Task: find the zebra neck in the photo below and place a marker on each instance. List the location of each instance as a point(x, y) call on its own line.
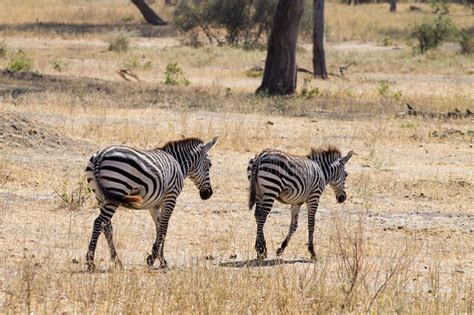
point(326, 170)
point(186, 160)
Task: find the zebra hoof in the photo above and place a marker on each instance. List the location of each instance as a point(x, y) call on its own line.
point(150, 261)
point(262, 256)
point(118, 264)
point(163, 264)
point(313, 257)
point(91, 266)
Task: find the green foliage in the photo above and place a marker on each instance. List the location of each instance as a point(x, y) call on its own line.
point(19, 62)
point(439, 6)
point(128, 18)
point(431, 34)
point(120, 41)
point(384, 90)
point(134, 63)
point(386, 41)
point(466, 41)
point(174, 75)
point(254, 72)
point(3, 48)
point(307, 90)
point(244, 22)
point(74, 198)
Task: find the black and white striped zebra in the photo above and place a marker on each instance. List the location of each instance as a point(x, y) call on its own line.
point(275, 175)
point(145, 179)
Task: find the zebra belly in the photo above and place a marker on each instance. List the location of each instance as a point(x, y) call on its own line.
point(289, 197)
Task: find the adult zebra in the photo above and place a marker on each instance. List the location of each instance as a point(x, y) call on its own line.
point(139, 179)
point(293, 180)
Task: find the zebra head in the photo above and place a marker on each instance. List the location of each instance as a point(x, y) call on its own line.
point(338, 178)
point(199, 173)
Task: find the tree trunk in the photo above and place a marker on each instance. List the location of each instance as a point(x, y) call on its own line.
point(393, 5)
point(279, 77)
point(319, 55)
point(148, 13)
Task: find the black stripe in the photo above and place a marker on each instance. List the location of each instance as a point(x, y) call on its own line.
point(126, 174)
point(116, 180)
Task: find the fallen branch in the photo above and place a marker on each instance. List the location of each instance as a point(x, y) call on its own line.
point(456, 114)
point(125, 73)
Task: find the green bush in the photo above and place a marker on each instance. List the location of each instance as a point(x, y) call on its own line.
point(120, 41)
point(431, 34)
point(466, 41)
point(19, 62)
point(174, 75)
point(243, 22)
point(59, 65)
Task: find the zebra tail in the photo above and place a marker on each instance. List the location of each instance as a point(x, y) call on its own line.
point(253, 183)
point(133, 200)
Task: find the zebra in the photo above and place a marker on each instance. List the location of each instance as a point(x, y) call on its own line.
point(145, 179)
point(290, 179)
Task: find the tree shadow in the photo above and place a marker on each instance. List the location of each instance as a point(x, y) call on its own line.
point(254, 263)
point(145, 30)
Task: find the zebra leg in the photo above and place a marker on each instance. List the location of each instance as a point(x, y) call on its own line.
point(109, 231)
point(264, 205)
point(155, 215)
point(295, 210)
point(312, 208)
point(157, 250)
point(107, 210)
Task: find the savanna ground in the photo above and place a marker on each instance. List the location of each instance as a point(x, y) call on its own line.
point(402, 242)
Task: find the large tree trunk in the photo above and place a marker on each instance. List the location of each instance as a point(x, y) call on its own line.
point(279, 77)
point(393, 5)
point(319, 55)
point(148, 13)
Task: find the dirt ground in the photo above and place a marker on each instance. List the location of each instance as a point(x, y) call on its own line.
point(410, 186)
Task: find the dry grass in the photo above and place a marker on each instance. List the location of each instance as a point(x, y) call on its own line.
point(403, 242)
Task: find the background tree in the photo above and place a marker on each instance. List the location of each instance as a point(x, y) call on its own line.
point(319, 55)
point(148, 13)
point(393, 5)
point(279, 76)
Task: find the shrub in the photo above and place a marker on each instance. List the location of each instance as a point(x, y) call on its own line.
point(3, 48)
point(120, 41)
point(466, 41)
point(243, 22)
point(439, 6)
point(59, 65)
point(431, 34)
point(174, 75)
point(74, 198)
point(19, 62)
point(307, 90)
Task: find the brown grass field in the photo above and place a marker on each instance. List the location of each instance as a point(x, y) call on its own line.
point(403, 242)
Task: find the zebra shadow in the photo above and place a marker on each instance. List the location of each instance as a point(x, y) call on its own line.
point(254, 263)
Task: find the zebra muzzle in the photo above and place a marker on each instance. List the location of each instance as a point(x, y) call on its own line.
point(341, 198)
point(206, 194)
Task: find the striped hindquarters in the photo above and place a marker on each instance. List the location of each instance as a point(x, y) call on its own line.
point(132, 178)
point(285, 177)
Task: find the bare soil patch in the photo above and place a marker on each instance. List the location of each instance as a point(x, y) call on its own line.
point(20, 130)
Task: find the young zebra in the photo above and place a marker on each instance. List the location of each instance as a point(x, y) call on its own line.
point(293, 180)
point(139, 179)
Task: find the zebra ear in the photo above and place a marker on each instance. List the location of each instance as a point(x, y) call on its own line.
point(209, 145)
point(346, 159)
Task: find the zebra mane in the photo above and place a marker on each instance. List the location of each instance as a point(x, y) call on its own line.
point(186, 142)
point(327, 153)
